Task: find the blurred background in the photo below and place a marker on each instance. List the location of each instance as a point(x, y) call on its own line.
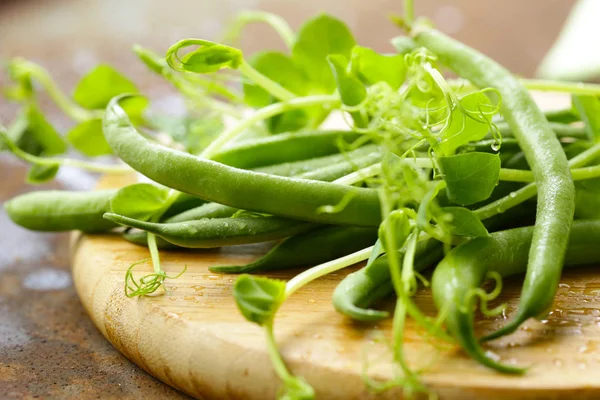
point(69, 37)
point(48, 346)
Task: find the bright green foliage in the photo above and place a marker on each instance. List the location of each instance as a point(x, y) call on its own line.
point(351, 89)
point(278, 67)
point(100, 85)
point(87, 137)
point(258, 298)
point(470, 121)
point(316, 39)
point(470, 177)
point(139, 201)
point(373, 67)
point(41, 173)
point(208, 57)
point(401, 226)
point(459, 221)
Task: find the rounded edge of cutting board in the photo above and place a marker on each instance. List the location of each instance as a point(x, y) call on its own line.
point(203, 347)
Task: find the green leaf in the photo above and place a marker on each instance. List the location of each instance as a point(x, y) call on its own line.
point(101, 84)
point(469, 122)
point(194, 132)
point(139, 201)
point(258, 298)
point(32, 133)
point(588, 108)
point(207, 58)
point(41, 173)
point(23, 89)
point(279, 68)
point(399, 222)
point(351, 89)
point(87, 137)
point(373, 67)
point(316, 39)
point(459, 221)
point(470, 177)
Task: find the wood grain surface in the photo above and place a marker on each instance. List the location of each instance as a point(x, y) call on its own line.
point(193, 338)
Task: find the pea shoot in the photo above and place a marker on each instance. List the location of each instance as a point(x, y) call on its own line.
point(421, 171)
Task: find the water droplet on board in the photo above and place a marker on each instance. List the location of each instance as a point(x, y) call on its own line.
point(198, 287)
point(189, 298)
point(214, 277)
point(564, 285)
point(312, 301)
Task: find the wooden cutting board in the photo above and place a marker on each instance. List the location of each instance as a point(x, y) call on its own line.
point(192, 336)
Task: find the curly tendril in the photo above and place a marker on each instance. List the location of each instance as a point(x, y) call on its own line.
point(485, 297)
point(147, 284)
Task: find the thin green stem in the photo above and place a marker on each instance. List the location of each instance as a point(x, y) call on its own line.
point(279, 24)
point(73, 110)
point(275, 356)
point(409, 12)
point(542, 85)
point(326, 268)
point(267, 112)
point(154, 256)
point(274, 88)
point(515, 175)
point(360, 175)
point(562, 86)
point(67, 162)
point(527, 192)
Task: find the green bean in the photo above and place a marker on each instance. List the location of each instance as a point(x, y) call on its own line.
point(364, 287)
point(564, 116)
point(217, 232)
point(54, 210)
point(183, 203)
point(457, 278)
point(303, 166)
point(285, 147)
point(141, 239)
point(212, 181)
point(215, 210)
point(561, 130)
point(208, 210)
point(556, 193)
point(309, 248)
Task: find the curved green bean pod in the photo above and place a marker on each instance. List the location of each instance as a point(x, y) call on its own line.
point(217, 232)
point(556, 192)
point(61, 210)
point(360, 289)
point(212, 181)
point(464, 269)
point(141, 239)
point(284, 147)
point(309, 248)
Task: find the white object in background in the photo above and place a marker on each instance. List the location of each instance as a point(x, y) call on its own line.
point(575, 55)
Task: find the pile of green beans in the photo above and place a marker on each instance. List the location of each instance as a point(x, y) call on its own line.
point(460, 181)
